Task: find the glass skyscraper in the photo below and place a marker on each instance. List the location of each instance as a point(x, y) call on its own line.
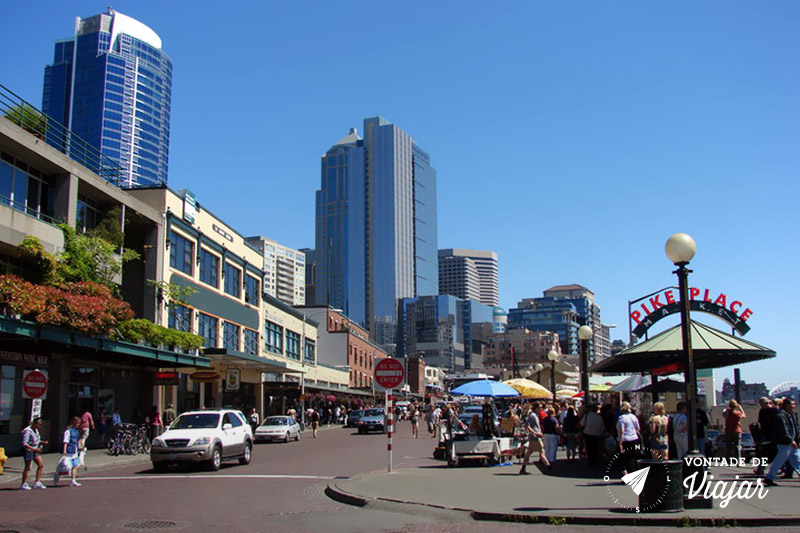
point(112, 85)
point(376, 231)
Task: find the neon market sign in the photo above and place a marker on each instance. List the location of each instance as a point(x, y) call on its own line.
point(651, 309)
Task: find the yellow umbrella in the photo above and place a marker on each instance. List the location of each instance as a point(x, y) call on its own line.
point(529, 388)
point(566, 393)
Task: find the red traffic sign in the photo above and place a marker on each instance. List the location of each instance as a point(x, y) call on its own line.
point(34, 384)
point(389, 373)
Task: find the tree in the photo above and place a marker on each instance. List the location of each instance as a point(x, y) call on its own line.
point(29, 118)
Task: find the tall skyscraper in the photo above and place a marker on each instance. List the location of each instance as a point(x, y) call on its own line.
point(461, 270)
point(111, 84)
point(376, 231)
point(284, 271)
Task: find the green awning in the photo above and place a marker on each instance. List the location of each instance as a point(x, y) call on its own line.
point(711, 349)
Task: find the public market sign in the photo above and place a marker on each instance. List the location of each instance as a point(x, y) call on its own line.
point(667, 302)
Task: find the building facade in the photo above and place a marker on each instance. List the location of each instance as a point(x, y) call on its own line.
point(458, 268)
point(376, 228)
point(111, 84)
point(284, 271)
point(520, 347)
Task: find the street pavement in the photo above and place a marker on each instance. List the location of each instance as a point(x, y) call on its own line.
point(301, 486)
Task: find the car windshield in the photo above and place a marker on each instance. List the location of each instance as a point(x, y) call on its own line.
point(356, 413)
point(747, 437)
point(373, 412)
point(278, 421)
point(195, 421)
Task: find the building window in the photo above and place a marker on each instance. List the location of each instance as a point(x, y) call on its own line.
point(207, 328)
point(250, 341)
point(273, 337)
point(308, 353)
point(293, 345)
point(180, 317)
point(251, 290)
point(209, 268)
point(181, 253)
point(231, 336)
point(233, 281)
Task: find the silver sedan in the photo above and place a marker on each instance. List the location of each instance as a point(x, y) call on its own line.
point(282, 428)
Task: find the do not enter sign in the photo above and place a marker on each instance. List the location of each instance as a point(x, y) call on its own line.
point(389, 373)
point(34, 384)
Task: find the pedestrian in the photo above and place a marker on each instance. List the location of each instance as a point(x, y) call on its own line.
point(102, 426)
point(155, 422)
point(570, 428)
point(680, 431)
point(552, 431)
point(763, 432)
point(170, 414)
point(32, 446)
point(787, 438)
point(627, 436)
point(509, 423)
point(415, 414)
point(87, 424)
point(116, 419)
point(253, 419)
point(733, 429)
point(593, 432)
point(535, 444)
point(659, 445)
point(314, 419)
point(702, 424)
point(72, 445)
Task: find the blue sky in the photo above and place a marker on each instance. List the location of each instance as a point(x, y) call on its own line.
point(572, 138)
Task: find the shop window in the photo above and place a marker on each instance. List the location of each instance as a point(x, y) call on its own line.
point(251, 341)
point(273, 337)
point(181, 253)
point(207, 328)
point(209, 268)
point(293, 345)
point(180, 318)
point(231, 339)
point(233, 280)
point(251, 290)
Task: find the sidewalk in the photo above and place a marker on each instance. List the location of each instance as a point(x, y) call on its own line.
point(569, 494)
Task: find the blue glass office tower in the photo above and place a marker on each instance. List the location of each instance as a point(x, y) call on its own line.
point(112, 85)
point(376, 231)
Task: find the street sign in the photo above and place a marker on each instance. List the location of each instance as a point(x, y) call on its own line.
point(36, 408)
point(34, 384)
point(389, 373)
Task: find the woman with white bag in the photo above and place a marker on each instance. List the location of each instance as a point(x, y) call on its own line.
point(70, 459)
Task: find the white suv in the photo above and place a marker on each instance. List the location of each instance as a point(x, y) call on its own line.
point(209, 436)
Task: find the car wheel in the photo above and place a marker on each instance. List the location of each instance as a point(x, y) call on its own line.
point(160, 467)
point(216, 459)
point(360, 431)
point(247, 455)
point(297, 437)
point(286, 437)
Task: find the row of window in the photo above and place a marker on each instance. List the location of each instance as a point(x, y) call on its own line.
point(182, 258)
point(276, 337)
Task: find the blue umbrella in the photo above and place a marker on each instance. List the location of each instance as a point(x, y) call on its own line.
point(485, 387)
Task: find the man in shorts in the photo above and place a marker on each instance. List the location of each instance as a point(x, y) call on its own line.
point(32, 446)
point(534, 429)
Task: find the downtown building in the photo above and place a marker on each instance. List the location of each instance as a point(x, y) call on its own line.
point(376, 229)
point(469, 274)
point(111, 84)
point(284, 271)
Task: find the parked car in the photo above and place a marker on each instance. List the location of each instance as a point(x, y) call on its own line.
point(748, 446)
point(209, 437)
point(466, 416)
point(372, 420)
point(353, 418)
point(278, 428)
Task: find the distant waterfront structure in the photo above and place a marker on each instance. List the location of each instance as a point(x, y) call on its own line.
point(111, 84)
point(284, 271)
point(500, 319)
point(469, 274)
point(749, 392)
point(376, 228)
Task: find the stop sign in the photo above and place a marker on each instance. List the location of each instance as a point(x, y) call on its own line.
point(389, 373)
point(34, 384)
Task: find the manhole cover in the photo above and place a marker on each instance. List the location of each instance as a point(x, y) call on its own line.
point(149, 524)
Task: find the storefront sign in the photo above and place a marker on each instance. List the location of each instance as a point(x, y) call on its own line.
point(667, 302)
point(189, 207)
point(232, 378)
point(205, 376)
point(34, 384)
point(166, 378)
point(26, 359)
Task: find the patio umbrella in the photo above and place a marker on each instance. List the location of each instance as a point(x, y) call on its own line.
point(665, 385)
point(565, 393)
point(631, 383)
point(529, 388)
point(486, 388)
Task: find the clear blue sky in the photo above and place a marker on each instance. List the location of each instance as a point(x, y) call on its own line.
point(572, 138)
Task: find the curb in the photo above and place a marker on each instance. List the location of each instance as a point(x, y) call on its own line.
point(15, 474)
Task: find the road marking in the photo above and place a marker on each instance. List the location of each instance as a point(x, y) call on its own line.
point(208, 476)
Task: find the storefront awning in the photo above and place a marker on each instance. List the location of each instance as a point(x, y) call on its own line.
point(13, 331)
point(229, 357)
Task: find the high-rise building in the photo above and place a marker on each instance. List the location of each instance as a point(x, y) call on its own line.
point(376, 231)
point(111, 84)
point(461, 270)
point(284, 271)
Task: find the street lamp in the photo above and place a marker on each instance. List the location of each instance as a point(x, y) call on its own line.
point(552, 356)
point(538, 369)
point(680, 249)
point(584, 334)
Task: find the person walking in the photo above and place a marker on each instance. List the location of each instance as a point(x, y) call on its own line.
point(87, 424)
point(787, 438)
point(533, 427)
point(314, 420)
point(72, 444)
point(570, 428)
point(170, 414)
point(733, 430)
point(765, 434)
point(659, 445)
point(253, 419)
point(102, 426)
point(627, 436)
point(414, 416)
point(551, 428)
point(680, 431)
point(32, 446)
point(593, 431)
point(155, 422)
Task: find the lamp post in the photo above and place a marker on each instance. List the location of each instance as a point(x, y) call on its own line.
point(303, 361)
point(584, 334)
point(680, 249)
point(538, 369)
point(552, 356)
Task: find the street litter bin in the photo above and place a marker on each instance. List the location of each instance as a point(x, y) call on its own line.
point(663, 489)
